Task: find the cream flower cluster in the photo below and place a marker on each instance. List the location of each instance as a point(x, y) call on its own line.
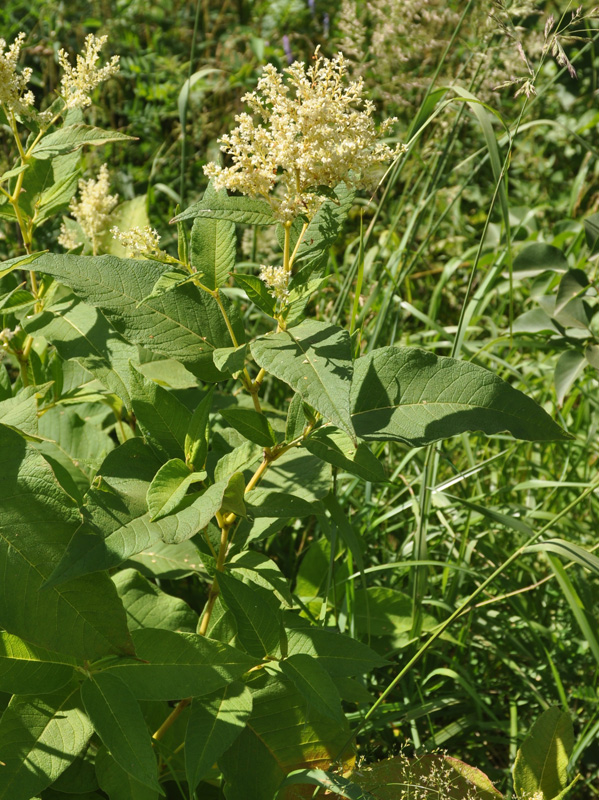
point(314, 130)
point(79, 81)
point(92, 210)
point(277, 280)
point(14, 95)
point(138, 241)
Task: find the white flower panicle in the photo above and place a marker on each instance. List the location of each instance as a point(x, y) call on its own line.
point(314, 130)
point(138, 241)
point(79, 81)
point(277, 280)
point(92, 210)
point(14, 95)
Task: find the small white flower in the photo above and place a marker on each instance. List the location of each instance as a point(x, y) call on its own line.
point(78, 82)
point(6, 334)
point(14, 95)
point(138, 241)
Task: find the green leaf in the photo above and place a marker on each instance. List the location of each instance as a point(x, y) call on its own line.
point(313, 681)
point(212, 250)
point(81, 618)
point(251, 425)
point(39, 738)
point(334, 784)
point(26, 669)
point(175, 665)
point(120, 724)
point(296, 419)
point(314, 358)
point(73, 137)
point(568, 551)
point(168, 561)
point(409, 395)
point(218, 205)
point(147, 606)
point(166, 283)
point(196, 436)
point(185, 324)
point(535, 321)
point(339, 655)
point(161, 414)
point(256, 613)
point(117, 783)
point(213, 725)
point(17, 263)
point(117, 522)
point(234, 495)
point(283, 734)
point(542, 760)
point(570, 366)
point(260, 569)
point(257, 292)
point(169, 487)
point(80, 332)
point(591, 229)
point(230, 359)
point(336, 448)
point(20, 412)
point(538, 257)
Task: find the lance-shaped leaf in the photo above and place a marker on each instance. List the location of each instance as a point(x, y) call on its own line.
point(251, 425)
point(26, 669)
point(169, 486)
point(118, 784)
point(74, 137)
point(542, 760)
point(81, 618)
point(218, 205)
point(568, 551)
point(314, 358)
point(339, 655)
point(39, 738)
point(82, 333)
point(168, 561)
point(283, 734)
point(17, 263)
point(409, 395)
point(119, 722)
point(313, 681)
point(212, 250)
point(185, 324)
point(175, 665)
point(117, 523)
point(147, 606)
point(213, 725)
point(257, 292)
point(336, 448)
point(196, 436)
point(256, 613)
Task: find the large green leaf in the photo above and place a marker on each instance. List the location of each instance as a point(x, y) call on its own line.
point(408, 395)
point(169, 487)
point(313, 681)
point(147, 606)
point(281, 735)
point(118, 784)
point(185, 324)
point(39, 738)
point(542, 761)
point(162, 416)
point(315, 359)
point(73, 137)
point(256, 613)
point(218, 205)
point(213, 725)
point(81, 332)
point(175, 665)
point(118, 720)
point(117, 523)
point(81, 618)
point(26, 669)
point(340, 655)
point(20, 412)
point(336, 448)
point(212, 250)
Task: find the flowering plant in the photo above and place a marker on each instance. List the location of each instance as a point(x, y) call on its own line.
point(185, 467)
